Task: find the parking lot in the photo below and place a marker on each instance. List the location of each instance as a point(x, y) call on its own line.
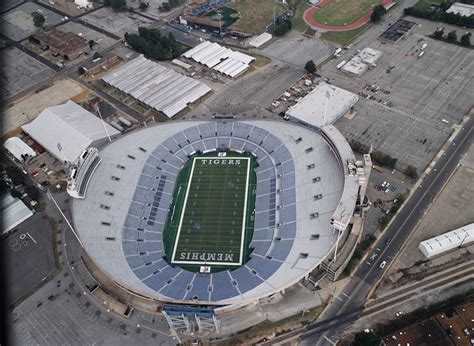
point(455, 200)
point(426, 96)
point(117, 23)
point(296, 49)
point(17, 23)
point(29, 253)
point(23, 71)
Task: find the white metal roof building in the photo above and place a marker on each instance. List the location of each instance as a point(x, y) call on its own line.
point(447, 241)
point(370, 56)
point(219, 58)
point(156, 86)
point(361, 61)
point(461, 9)
point(18, 148)
point(66, 130)
point(13, 212)
point(260, 40)
point(355, 67)
point(324, 105)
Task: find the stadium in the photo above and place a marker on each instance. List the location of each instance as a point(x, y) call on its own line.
point(217, 213)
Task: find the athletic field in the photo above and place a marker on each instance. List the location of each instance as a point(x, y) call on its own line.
point(343, 12)
point(211, 215)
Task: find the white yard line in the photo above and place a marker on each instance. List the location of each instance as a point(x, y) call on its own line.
point(182, 211)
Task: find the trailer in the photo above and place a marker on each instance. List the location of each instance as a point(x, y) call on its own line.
point(115, 125)
point(424, 46)
point(124, 121)
point(342, 63)
point(421, 54)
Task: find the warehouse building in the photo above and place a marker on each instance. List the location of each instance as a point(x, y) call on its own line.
point(100, 64)
point(66, 130)
point(447, 241)
point(67, 44)
point(19, 149)
point(156, 86)
point(220, 59)
point(324, 105)
point(362, 61)
point(13, 212)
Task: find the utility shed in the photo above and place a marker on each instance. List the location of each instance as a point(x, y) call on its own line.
point(260, 40)
point(324, 105)
point(66, 130)
point(447, 241)
point(13, 212)
point(19, 149)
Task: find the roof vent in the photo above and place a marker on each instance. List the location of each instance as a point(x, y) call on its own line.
point(303, 255)
point(131, 157)
point(108, 193)
point(115, 178)
point(314, 236)
point(311, 166)
point(316, 180)
point(109, 238)
point(297, 140)
point(105, 223)
point(308, 150)
point(314, 215)
point(120, 167)
point(317, 197)
point(142, 149)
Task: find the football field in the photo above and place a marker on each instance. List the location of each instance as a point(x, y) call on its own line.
point(210, 223)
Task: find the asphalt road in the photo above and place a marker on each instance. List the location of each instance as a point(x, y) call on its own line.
point(347, 306)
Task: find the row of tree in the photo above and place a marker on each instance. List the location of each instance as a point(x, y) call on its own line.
point(166, 6)
point(450, 18)
point(452, 37)
point(153, 44)
point(116, 4)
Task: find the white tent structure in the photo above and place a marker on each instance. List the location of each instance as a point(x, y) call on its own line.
point(156, 86)
point(447, 241)
point(221, 59)
point(324, 105)
point(13, 212)
point(66, 130)
point(18, 148)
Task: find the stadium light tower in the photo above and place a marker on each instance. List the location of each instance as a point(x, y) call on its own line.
point(96, 107)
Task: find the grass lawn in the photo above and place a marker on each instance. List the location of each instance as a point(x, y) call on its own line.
point(344, 37)
point(423, 5)
point(298, 22)
point(255, 15)
point(344, 12)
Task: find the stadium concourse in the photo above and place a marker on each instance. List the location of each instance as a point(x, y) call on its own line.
point(185, 188)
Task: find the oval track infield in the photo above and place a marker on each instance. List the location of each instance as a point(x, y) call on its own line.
point(310, 20)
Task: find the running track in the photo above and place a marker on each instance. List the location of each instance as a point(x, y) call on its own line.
point(308, 18)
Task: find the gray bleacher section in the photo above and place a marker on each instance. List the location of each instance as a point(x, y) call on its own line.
point(143, 228)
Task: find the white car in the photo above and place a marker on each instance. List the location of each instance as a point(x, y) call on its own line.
point(383, 264)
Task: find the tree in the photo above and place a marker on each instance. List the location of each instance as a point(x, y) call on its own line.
point(38, 20)
point(439, 33)
point(32, 192)
point(15, 174)
point(367, 339)
point(143, 6)
point(452, 36)
point(411, 172)
point(281, 29)
point(15, 193)
point(116, 4)
point(466, 39)
point(310, 67)
point(377, 13)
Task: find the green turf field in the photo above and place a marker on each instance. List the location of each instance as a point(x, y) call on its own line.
point(344, 12)
point(210, 221)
